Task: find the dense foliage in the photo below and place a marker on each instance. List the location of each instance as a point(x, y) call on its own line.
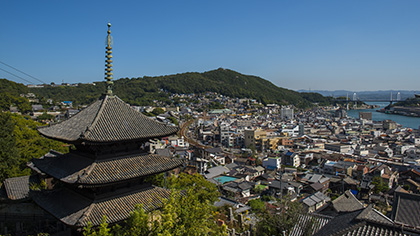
point(257, 205)
point(143, 91)
point(8, 150)
point(277, 223)
point(19, 143)
point(203, 189)
point(12, 88)
point(188, 211)
point(10, 96)
point(318, 98)
point(380, 185)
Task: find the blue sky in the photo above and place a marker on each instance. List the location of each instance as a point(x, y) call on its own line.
point(301, 44)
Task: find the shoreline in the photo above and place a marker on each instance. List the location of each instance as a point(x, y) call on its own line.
point(398, 113)
point(403, 111)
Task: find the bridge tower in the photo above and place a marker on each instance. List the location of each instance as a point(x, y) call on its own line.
point(347, 106)
point(390, 100)
point(355, 100)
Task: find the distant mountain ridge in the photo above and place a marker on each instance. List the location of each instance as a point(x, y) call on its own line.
point(367, 95)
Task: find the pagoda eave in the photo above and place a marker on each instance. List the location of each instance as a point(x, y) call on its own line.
point(76, 210)
point(77, 169)
point(108, 120)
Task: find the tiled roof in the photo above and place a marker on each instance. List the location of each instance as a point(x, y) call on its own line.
point(363, 222)
point(317, 186)
point(309, 201)
point(244, 186)
point(17, 188)
point(75, 210)
point(276, 184)
point(339, 223)
point(372, 215)
point(164, 152)
point(317, 221)
point(107, 120)
point(315, 199)
point(374, 230)
point(73, 168)
point(347, 202)
point(406, 209)
point(350, 225)
point(322, 196)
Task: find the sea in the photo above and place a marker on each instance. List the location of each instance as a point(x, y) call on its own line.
point(405, 121)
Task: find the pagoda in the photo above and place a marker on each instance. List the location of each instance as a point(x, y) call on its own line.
point(105, 174)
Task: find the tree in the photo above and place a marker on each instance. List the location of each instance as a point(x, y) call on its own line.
point(173, 120)
point(7, 100)
point(138, 223)
point(45, 116)
point(20, 142)
point(158, 111)
point(271, 223)
point(203, 189)
point(216, 105)
point(8, 151)
point(257, 205)
point(380, 185)
point(102, 230)
point(23, 105)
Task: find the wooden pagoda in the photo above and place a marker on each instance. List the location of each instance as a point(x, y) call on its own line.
point(105, 174)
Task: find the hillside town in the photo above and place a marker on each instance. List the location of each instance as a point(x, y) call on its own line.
point(337, 167)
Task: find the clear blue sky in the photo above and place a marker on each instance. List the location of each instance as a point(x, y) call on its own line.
point(298, 44)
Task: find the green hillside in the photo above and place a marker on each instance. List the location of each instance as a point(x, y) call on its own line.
point(230, 83)
point(409, 102)
point(10, 96)
point(144, 90)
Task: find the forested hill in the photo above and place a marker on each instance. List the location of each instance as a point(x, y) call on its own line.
point(142, 91)
point(12, 88)
point(10, 95)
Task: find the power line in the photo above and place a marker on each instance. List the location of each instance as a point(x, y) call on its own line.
point(16, 76)
point(23, 72)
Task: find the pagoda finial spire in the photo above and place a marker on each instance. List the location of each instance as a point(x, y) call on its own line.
point(108, 64)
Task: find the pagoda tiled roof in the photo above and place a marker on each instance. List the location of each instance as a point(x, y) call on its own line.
point(76, 210)
point(77, 169)
point(107, 120)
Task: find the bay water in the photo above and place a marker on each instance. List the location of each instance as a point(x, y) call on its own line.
point(405, 121)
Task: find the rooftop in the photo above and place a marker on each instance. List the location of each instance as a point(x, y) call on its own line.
point(105, 121)
point(75, 210)
point(74, 168)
